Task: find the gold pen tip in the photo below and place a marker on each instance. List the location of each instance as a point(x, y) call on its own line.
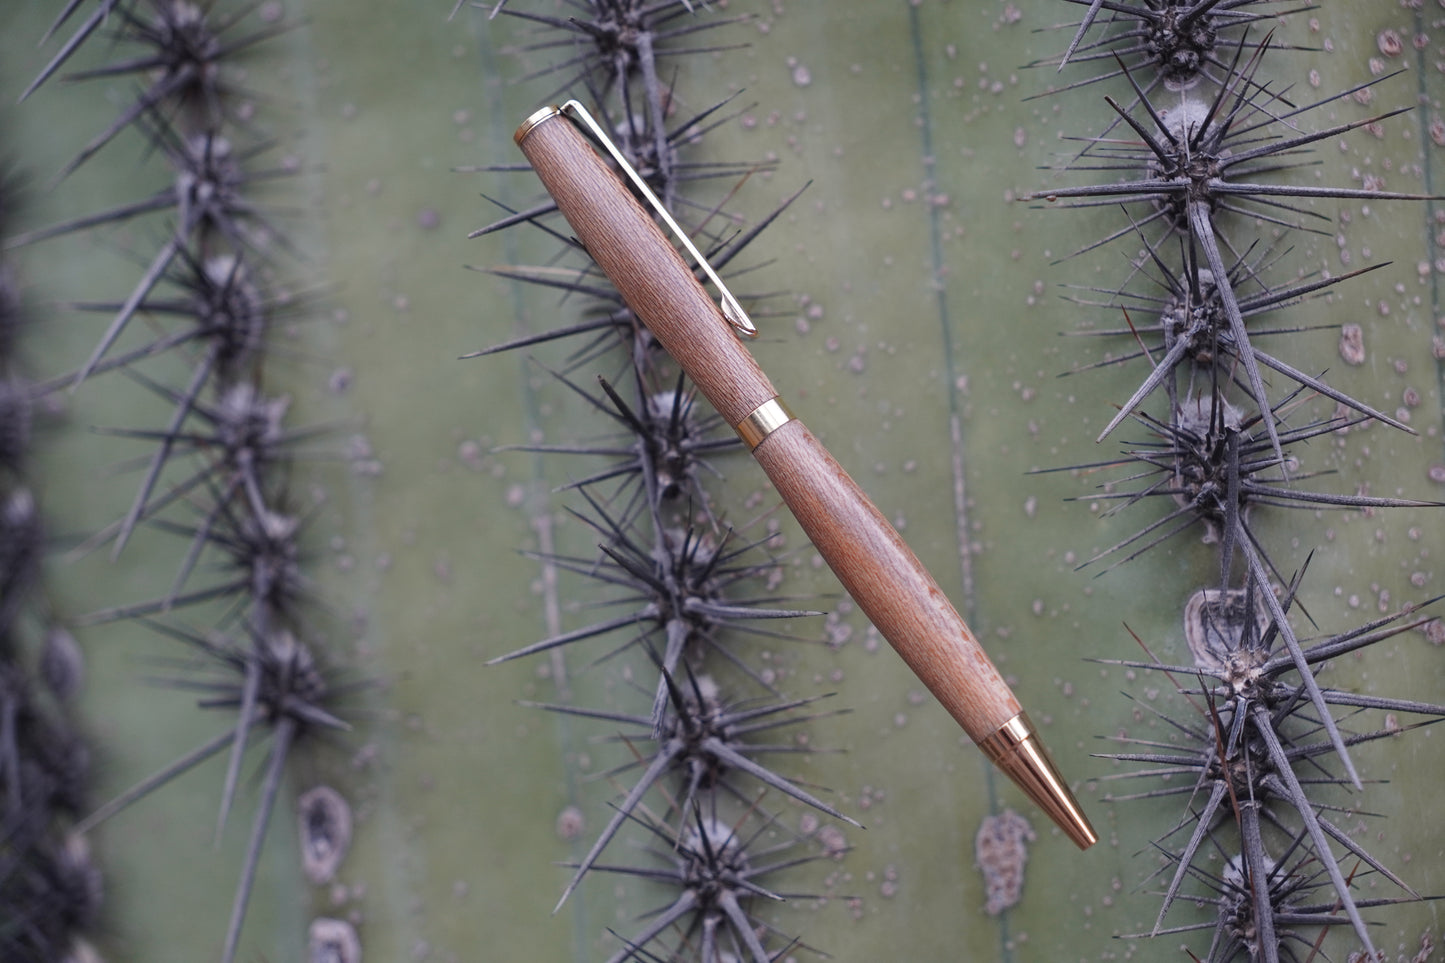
point(1016, 749)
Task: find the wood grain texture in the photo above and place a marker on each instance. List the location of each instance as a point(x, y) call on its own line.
point(646, 269)
point(887, 580)
point(869, 557)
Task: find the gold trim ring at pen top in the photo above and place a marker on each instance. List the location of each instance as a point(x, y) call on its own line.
point(536, 117)
point(732, 309)
point(875, 566)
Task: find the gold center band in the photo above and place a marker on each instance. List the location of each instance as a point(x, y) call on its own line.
point(762, 421)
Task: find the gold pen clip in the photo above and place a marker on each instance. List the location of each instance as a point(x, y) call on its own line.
point(731, 309)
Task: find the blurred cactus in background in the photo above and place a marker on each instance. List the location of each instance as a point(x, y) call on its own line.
point(305, 526)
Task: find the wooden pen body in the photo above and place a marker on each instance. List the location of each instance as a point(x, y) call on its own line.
point(869, 557)
point(646, 269)
point(887, 580)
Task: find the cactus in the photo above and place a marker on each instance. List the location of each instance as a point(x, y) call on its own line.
point(921, 334)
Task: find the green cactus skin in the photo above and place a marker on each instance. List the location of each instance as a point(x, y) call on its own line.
point(926, 273)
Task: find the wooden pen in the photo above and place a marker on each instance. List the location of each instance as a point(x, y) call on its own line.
point(869, 557)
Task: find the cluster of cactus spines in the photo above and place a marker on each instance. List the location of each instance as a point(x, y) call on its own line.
point(1171, 43)
point(1216, 468)
point(664, 436)
point(680, 586)
point(212, 288)
point(1197, 166)
point(716, 869)
point(1192, 312)
point(676, 574)
point(50, 889)
point(1211, 137)
point(1253, 737)
point(616, 47)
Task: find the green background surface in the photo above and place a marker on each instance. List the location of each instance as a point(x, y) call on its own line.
point(919, 336)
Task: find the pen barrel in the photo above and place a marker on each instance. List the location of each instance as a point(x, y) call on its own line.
point(867, 554)
point(869, 557)
point(887, 580)
point(645, 268)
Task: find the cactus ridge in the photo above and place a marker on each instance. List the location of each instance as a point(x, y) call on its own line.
point(216, 286)
point(666, 557)
point(1211, 160)
point(51, 892)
